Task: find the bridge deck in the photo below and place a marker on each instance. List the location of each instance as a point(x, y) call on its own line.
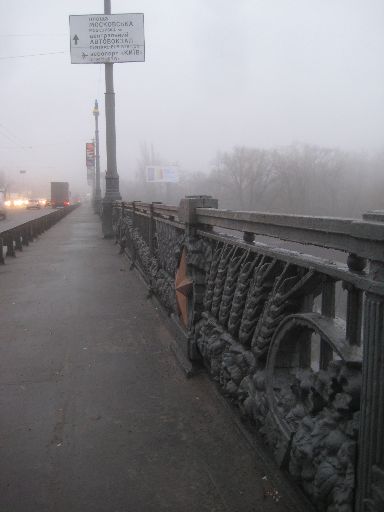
point(96, 415)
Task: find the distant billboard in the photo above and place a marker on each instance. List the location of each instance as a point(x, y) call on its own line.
point(90, 154)
point(162, 174)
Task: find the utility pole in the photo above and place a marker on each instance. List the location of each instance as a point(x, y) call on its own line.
point(112, 192)
point(97, 196)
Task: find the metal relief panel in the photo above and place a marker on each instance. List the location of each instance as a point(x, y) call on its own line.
point(169, 241)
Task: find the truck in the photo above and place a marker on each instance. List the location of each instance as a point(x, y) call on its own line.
point(59, 194)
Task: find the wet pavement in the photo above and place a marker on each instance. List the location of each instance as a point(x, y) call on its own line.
point(96, 414)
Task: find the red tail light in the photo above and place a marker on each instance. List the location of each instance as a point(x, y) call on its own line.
point(66, 203)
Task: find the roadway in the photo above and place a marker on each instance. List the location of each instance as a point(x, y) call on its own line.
point(97, 416)
point(18, 216)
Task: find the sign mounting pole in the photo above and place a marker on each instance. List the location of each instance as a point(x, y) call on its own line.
point(107, 39)
point(112, 192)
point(97, 204)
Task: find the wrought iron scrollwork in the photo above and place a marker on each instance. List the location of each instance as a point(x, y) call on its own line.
point(312, 420)
point(264, 276)
point(289, 288)
point(376, 502)
point(212, 273)
point(159, 267)
point(229, 289)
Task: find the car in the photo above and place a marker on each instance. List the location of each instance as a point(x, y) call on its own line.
point(33, 203)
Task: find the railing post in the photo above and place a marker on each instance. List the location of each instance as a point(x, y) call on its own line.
point(25, 237)
point(18, 242)
point(122, 213)
point(371, 435)
point(2, 261)
point(190, 280)
point(10, 247)
point(151, 230)
point(187, 210)
point(133, 214)
point(152, 227)
point(328, 307)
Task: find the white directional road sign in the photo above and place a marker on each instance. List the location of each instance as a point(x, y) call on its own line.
point(101, 38)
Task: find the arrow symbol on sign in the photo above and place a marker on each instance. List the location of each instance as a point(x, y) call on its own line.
point(75, 39)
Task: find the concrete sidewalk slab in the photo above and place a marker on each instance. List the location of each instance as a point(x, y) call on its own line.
point(96, 414)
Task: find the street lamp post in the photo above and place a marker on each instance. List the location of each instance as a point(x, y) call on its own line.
point(97, 196)
point(112, 192)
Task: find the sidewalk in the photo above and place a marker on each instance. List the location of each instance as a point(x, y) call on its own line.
point(96, 415)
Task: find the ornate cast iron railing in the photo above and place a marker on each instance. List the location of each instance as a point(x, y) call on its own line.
point(263, 319)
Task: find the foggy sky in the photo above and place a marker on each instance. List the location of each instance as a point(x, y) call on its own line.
point(218, 73)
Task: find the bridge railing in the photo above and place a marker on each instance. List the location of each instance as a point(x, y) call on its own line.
point(13, 239)
point(295, 340)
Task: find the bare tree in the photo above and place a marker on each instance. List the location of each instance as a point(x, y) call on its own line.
point(243, 176)
point(138, 188)
point(300, 178)
point(308, 179)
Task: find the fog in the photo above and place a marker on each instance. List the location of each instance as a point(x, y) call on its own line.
point(298, 82)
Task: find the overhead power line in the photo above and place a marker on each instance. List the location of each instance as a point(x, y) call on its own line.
point(30, 55)
point(33, 35)
point(11, 134)
point(6, 133)
point(17, 145)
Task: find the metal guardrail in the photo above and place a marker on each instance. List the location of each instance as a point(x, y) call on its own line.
point(154, 209)
point(15, 238)
point(363, 238)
